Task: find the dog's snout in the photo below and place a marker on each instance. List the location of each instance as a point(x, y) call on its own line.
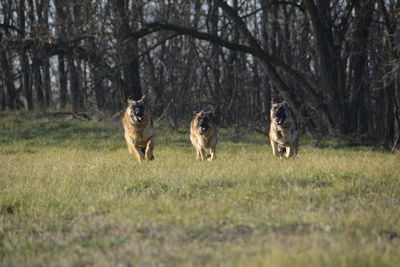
point(203, 124)
point(139, 111)
point(279, 112)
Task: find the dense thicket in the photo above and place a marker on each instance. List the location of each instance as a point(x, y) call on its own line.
point(335, 61)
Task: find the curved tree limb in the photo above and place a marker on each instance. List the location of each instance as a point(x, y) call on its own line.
point(269, 62)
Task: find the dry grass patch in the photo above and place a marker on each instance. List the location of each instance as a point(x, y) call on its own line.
point(70, 194)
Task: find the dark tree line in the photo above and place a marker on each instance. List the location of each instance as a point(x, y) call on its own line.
point(337, 62)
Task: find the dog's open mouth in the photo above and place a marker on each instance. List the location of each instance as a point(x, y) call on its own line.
point(137, 118)
point(278, 120)
point(202, 129)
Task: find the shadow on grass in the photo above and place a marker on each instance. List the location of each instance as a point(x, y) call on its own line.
point(43, 129)
point(319, 180)
point(39, 133)
point(199, 189)
point(225, 231)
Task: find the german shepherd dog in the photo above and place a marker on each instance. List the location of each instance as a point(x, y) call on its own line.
point(283, 133)
point(139, 131)
point(203, 134)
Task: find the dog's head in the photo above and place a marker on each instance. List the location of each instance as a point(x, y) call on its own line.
point(137, 109)
point(203, 121)
point(279, 112)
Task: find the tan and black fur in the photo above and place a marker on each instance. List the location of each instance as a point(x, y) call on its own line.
point(284, 132)
point(203, 135)
point(139, 131)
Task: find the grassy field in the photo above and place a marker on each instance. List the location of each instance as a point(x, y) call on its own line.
point(70, 194)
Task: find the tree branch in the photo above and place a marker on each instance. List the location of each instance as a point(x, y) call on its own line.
point(269, 61)
point(11, 27)
point(272, 4)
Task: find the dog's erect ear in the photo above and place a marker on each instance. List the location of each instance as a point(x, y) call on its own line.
point(205, 111)
point(142, 99)
point(130, 100)
point(208, 113)
point(274, 100)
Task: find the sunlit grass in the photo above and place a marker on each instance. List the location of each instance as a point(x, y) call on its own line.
point(70, 194)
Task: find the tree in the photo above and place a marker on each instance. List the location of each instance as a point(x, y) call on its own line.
point(336, 62)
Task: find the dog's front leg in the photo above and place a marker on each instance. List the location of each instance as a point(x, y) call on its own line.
point(198, 154)
point(202, 153)
point(275, 149)
point(138, 153)
point(135, 151)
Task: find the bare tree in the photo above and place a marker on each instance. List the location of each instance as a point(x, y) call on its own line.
point(336, 62)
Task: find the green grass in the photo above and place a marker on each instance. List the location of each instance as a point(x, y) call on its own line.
point(70, 194)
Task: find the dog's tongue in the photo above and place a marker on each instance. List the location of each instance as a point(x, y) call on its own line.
point(138, 118)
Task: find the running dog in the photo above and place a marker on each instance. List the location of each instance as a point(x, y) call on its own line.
point(284, 130)
point(139, 131)
point(203, 135)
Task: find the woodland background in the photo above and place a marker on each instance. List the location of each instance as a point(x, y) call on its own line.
point(337, 62)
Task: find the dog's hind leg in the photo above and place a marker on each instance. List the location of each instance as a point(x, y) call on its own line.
point(291, 151)
point(288, 152)
point(149, 150)
point(281, 150)
point(295, 149)
point(212, 155)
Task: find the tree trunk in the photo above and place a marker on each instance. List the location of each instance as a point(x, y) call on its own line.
point(26, 79)
point(358, 71)
point(63, 79)
point(128, 50)
point(62, 83)
point(75, 84)
point(38, 82)
point(8, 76)
point(215, 62)
point(329, 61)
